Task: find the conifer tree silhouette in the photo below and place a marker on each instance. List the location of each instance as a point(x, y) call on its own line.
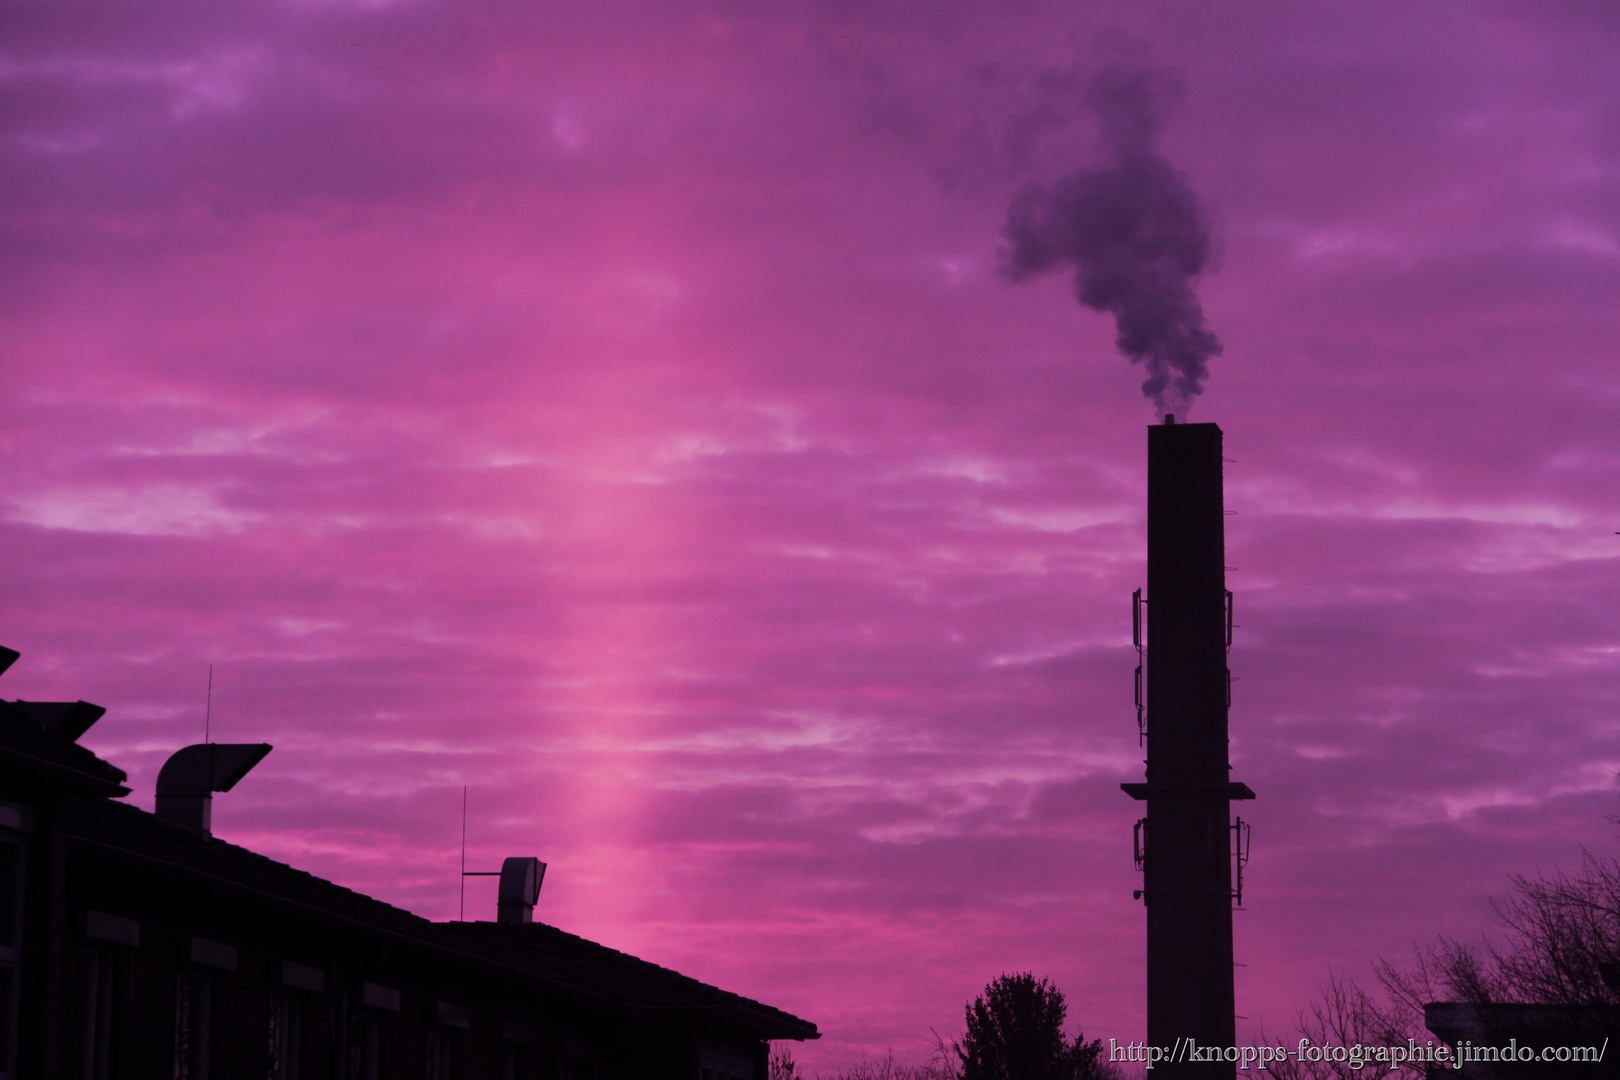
point(1015, 1032)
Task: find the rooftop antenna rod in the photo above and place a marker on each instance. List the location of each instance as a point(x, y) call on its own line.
point(208, 710)
point(466, 873)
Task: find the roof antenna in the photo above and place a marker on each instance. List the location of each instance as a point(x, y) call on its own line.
point(208, 710)
point(466, 873)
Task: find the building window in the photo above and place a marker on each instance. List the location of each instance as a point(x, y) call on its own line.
point(97, 977)
point(11, 866)
point(570, 1067)
point(575, 1061)
point(718, 1061)
point(194, 1014)
point(369, 1051)
point(515, 1035)
point(286, 1035)
point(443, 1051)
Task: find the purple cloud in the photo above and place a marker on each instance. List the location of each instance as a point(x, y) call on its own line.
point(611, 411)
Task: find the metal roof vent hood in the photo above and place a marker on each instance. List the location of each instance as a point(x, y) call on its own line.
point(188, 780)
point(65, 720)
point(520, 888)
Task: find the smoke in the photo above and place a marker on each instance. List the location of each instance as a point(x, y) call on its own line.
point(1134, 232)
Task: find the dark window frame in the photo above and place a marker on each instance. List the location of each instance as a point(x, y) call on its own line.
point(288, 1015)
point(196, 1022)
point(369, 1044)
point(101, 973)
point(13, 874)
point(444, 1052)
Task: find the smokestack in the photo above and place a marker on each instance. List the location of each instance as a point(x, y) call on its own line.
point(188, 780)
point(1185, 843)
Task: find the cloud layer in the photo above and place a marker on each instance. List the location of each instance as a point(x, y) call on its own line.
point(617, 410)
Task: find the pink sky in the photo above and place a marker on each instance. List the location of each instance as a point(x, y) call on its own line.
point(616, 408)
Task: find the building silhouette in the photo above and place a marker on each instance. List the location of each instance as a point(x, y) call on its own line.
point(137, 945)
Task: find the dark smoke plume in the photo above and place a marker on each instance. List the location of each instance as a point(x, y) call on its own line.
point(1135, 234)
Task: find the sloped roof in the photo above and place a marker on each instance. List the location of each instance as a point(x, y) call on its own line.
point(59, 764)
point(614, 976)
point(124, 833)
point(555, 959)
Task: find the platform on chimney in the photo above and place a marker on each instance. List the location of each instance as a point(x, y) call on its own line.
point(1235, 790)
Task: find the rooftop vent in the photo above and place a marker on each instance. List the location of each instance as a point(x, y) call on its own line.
point(188, 780)
point(65, 720)
point(520, 888)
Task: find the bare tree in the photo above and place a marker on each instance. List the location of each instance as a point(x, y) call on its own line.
point(941, 1065)
point(1559, 931)
point(1343, 1014)
point(884, 1068)
point(945, 1063)
point(781, 1065)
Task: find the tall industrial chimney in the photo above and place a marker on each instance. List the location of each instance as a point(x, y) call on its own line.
point(1187, 847)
